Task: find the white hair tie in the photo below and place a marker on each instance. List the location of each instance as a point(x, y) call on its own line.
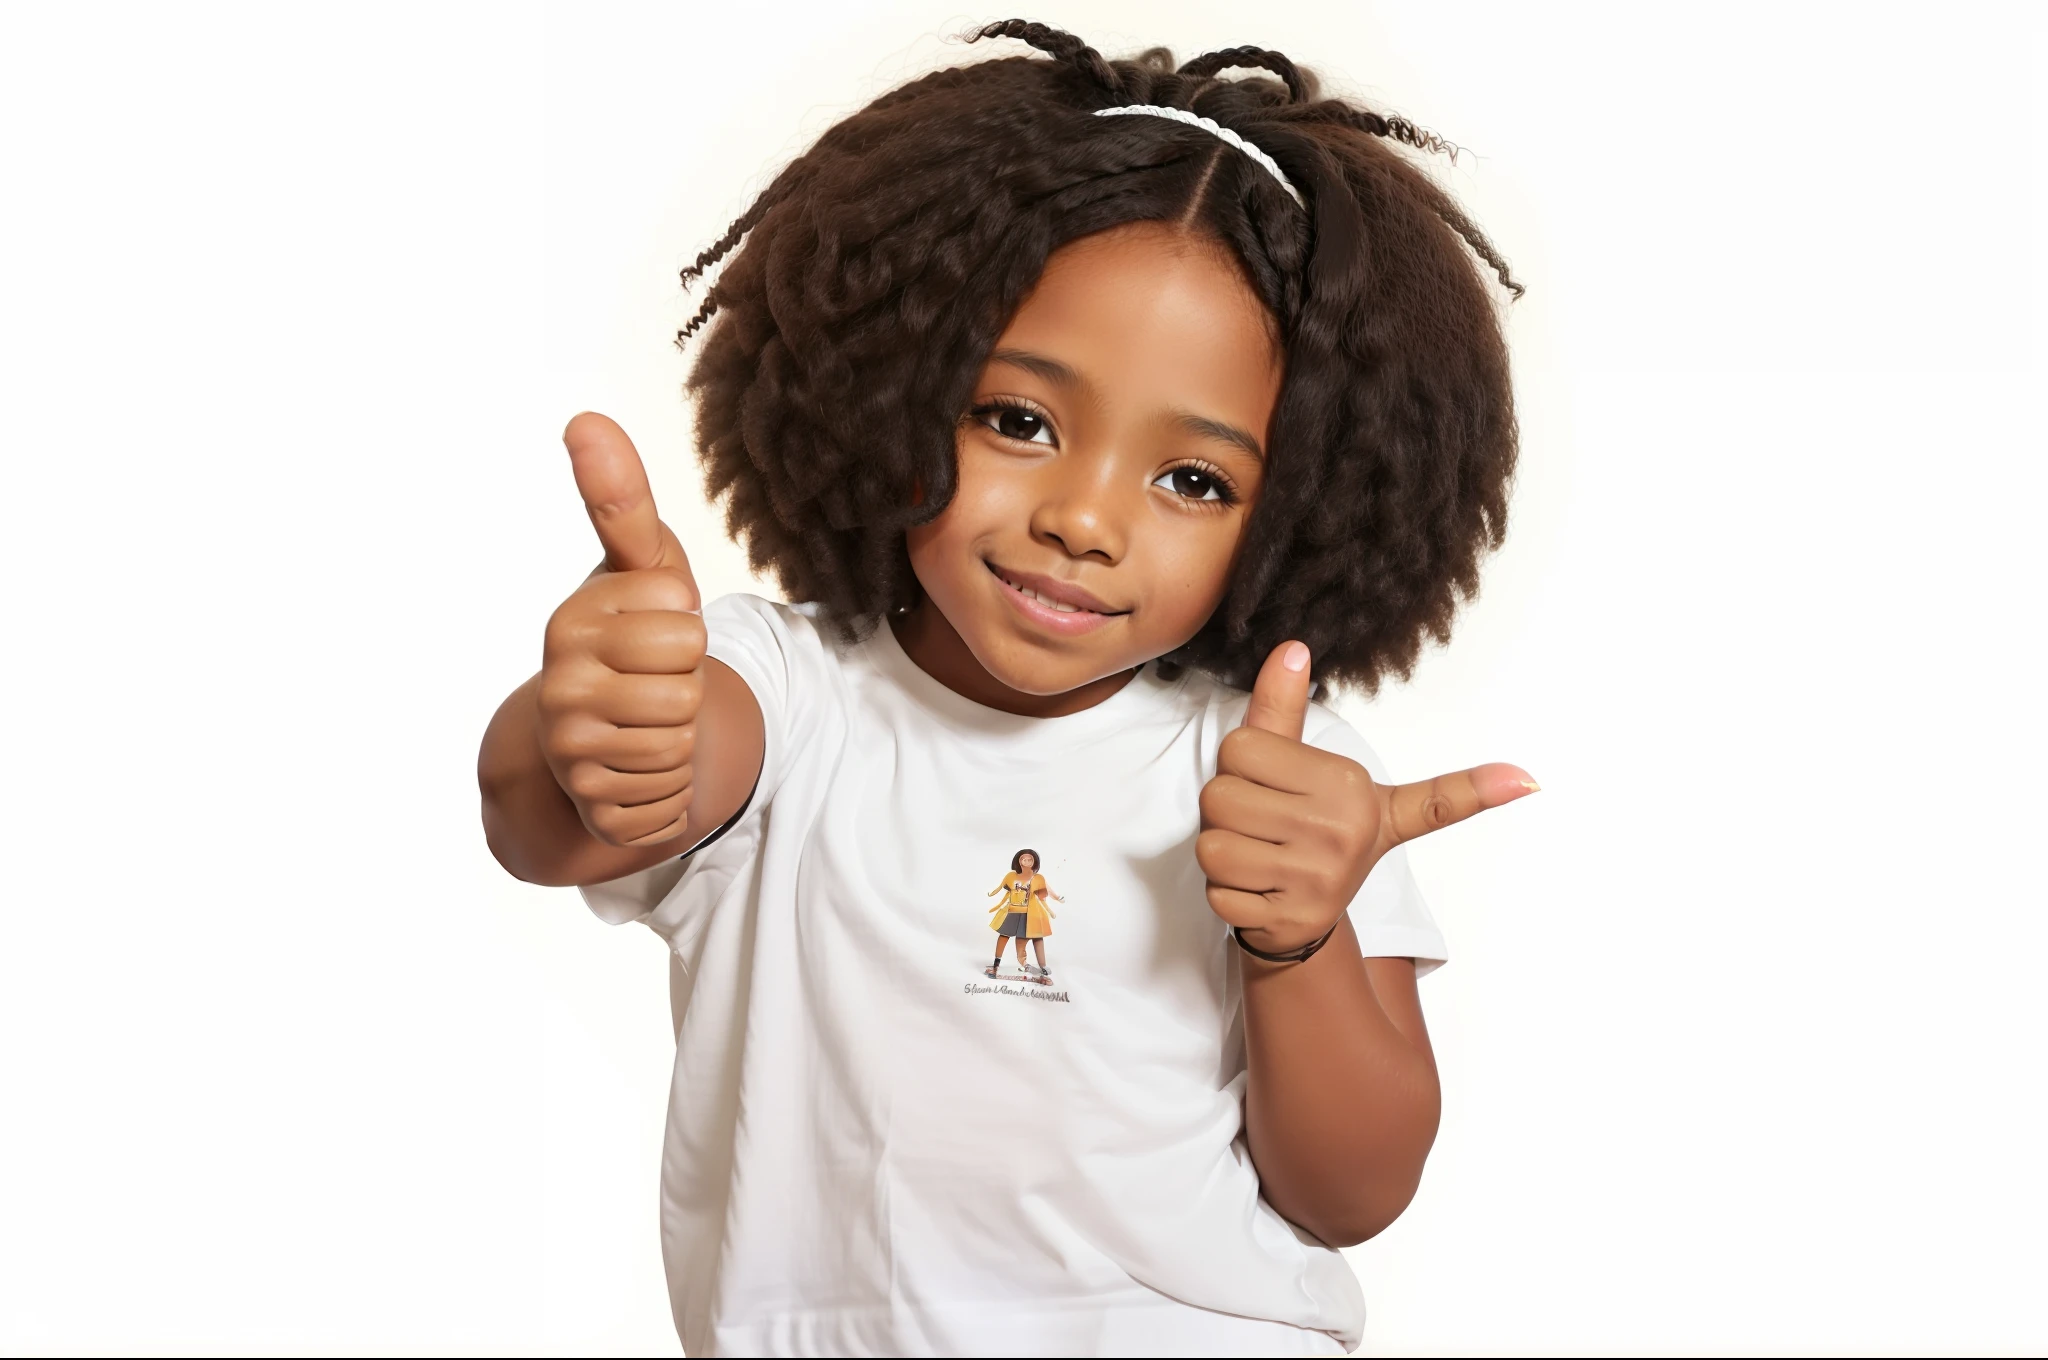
point(1215, 128)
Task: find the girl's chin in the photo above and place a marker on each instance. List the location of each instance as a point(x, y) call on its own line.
point(1023, 669)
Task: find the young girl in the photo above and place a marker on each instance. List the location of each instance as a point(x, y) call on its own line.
point(1094, 411)
point(1025, 913)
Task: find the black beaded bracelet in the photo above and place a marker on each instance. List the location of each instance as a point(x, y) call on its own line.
point(1292, 955)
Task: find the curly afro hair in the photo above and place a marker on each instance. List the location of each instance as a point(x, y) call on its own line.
point(874, 274)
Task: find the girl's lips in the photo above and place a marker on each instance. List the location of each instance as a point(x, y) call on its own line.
point(1040, 599)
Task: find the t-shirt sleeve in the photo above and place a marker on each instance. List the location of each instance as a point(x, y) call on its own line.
point(1389, 915)
point(777, 651)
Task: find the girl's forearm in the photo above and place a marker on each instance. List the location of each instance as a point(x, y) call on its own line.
point(1343, 1099)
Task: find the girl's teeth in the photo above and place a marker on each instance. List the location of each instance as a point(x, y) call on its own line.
point(1053, 605)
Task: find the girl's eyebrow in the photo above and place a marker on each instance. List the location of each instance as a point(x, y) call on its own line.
point(1052, 370)
point(1062, 376)
point(1216, 429)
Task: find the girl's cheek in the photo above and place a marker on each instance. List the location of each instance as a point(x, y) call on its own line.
point(1194, 574)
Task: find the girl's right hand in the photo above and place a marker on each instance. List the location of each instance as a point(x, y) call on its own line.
point(622, 670)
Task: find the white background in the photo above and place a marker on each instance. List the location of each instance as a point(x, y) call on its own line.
point(1743, 1034)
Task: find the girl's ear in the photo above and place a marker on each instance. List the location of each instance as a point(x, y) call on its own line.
point(916, 492)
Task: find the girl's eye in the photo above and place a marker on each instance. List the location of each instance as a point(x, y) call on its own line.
point(1016, 422)
point(1194, 484)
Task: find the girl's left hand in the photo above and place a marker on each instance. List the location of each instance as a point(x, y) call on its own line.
point(1290, 831)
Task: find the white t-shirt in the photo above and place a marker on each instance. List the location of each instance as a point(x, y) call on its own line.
point(873, 1147)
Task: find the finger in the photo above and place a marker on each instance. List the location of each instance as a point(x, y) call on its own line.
point(647, 700)
point(1229, 860)
point(586, 689)
point(592, 783)
point(589, 628)
point(613, 483)
point(1280, 694)
point(1250, 809)
point(629, 592)
point(1418, 809)
point(651, 642)
point(1280, 762)
point(1246, 911)
point(649, 750)
point(648, 824)
point(629, 750)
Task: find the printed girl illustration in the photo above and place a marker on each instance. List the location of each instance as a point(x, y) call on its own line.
point(1023, 914)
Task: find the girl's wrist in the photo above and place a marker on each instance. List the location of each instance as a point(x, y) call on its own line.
point(1267, 950)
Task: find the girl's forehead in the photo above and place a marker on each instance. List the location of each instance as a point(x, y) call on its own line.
point(1152, 277)
point(1146, 315)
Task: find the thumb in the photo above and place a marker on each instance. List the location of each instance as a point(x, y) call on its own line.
point(613, 484)
point(1418, 809)
point(1280, 694)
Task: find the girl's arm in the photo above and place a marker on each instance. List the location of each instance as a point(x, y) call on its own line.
point(1342, 1100)
point(630, 745)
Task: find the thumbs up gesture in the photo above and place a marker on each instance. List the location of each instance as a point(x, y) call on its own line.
point(1289, 831)
point(621, 672)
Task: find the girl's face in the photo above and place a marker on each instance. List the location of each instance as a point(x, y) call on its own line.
point(1027, 864)
point(1113, 449)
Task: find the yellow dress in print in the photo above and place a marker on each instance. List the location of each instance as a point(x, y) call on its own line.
point(1022, 893)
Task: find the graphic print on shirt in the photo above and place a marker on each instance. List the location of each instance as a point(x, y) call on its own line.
point(1023, 916)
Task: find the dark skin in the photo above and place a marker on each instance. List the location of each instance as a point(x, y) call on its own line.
point(1114, 447)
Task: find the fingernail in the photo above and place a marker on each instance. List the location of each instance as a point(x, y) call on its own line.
point(1532, 786)
point(1295, 658)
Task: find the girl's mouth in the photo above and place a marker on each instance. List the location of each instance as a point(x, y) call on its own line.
point(1057, 606)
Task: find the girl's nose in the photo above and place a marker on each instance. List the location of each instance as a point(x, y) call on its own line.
point(1082, 513)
